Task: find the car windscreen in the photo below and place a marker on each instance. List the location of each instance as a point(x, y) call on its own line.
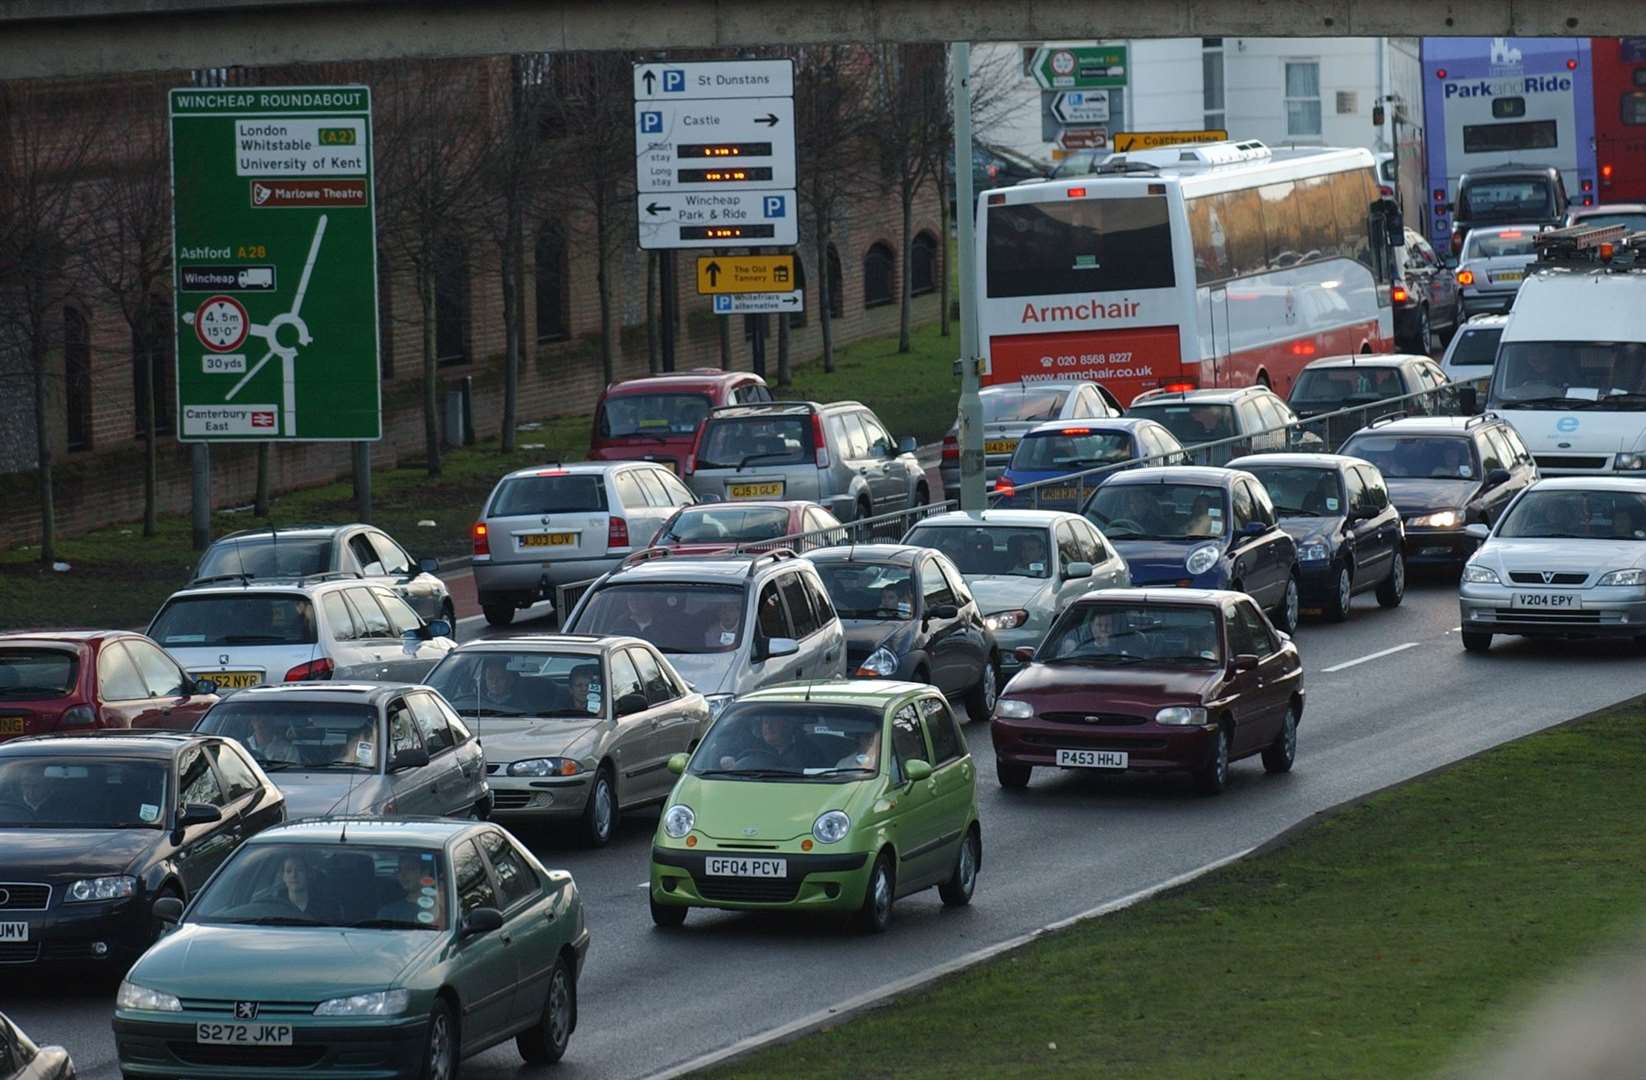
point(1001, 550)
point(1570, 375)
point(353, 884)
point(1189, 423)
point(792, 741)
point(1080, 247)
point(1159, 511)
point(265, 557)
point(1334, 386)
point(234, 619)
point(1301, 491)
point(1071, 449)
point(309, 736)
point(660, 415)
point(553, 491)
point(1416, 457)
point(64, 792)
point(676, 617)
point(1023, 405)
point(1529, 197)
point(528, 682)
point(755, 441)
point(726, 525)
point(1475, 348)
point(29, 674)
point(1575, 515)
point(860, 590)
point(1492, 244)
point(1132, 634)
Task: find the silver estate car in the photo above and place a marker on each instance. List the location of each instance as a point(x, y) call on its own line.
point(576, 729)
point(1566, 559)
point(728, 623)
point(839, 455)
point(1010, 410)
point(1023, 567)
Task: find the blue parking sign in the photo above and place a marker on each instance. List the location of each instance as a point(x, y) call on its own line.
point(651, 123)
point(722, 304)
point(774, 206)
point(674, 81)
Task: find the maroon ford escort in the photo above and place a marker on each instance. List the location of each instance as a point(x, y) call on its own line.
point(1153, 680)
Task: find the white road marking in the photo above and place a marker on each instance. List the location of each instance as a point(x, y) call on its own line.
point(1370, 657)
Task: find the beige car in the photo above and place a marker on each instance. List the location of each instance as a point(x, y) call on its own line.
point(575, 728)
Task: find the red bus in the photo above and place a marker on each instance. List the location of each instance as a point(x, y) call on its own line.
point(1620, 117)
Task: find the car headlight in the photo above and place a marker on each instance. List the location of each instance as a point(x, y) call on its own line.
point(1006, 620)
point(545, 766)
point(1630, 462)
point(831, 827)
point(1184, 715)
point(1313, 551)
point(1440, 519)
point(678, 821)
point(376, 1003)
point(132, 996)
point(717, 704)
point(881, 662)
point(1202, 559)
point(1012, 709)
point(102, 888)
point(1476, 574)
point(1623, 577)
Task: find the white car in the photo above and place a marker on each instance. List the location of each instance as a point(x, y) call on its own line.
point(1473, 349)
point(1567, 559)
point(299, 630)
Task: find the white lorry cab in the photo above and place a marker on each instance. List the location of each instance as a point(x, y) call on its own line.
point(1571, 365)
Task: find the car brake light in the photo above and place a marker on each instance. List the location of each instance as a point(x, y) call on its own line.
point(1457, 243)
point(1076, 431)
point(617, 533)
point(551, 472)
point(951, 448)
point(1178, 387)
point(1077, 193)
point(819, 442)
point(482, 539)
point(997, 200)
point(1399, 295)
point(1587, 185)
point(1005, 487)
point(1465, 277)
point(1386, 191)
point(1606, 173)
point(1588, 200)
point(1510, 234)
point(312, 671)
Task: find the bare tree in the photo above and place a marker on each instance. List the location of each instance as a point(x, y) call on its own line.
point(909, 111)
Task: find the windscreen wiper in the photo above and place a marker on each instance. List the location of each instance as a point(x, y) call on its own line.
point(756, 457)
point(1561, 402)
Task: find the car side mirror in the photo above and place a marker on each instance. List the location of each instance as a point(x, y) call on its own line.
point(907, 445)
point(629, 704)
point(1254, 528)
point(408, 759)
point(428, 566)
point(1024, 654)
point(780, 646)
point(677, 763)
point(916, 770)
point(439, 628)
point(1077, 569)
point(482, 921)
point(1477, 531)
point(198, 813)
point(1497, 478)
point(1468, 401)
point(204, 686)
point(943, 611)
point(1245, 662)
point(168, 909)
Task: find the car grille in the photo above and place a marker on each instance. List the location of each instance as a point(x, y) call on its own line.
point(265, 1057)
point(24, 897)
point(265, 1009)
point(510, 800)
point(1522, 578)
point(1086, 742)
point(749, 890)
point(1557, 618)
point(1092, 718)
point(19, 952)
point(1569, 461)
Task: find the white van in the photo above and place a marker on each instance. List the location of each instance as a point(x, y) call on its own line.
point(1571, 365)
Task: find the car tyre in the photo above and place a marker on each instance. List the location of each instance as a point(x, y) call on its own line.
point(922, 495)
point(667, 915)
point(599, 820)
point(878, 896)
point(497, 613)
point(957, 891)
point(1213, 777)
point(1425, 332)
point(1473, 642)
point(980, 702)
point(441, 1047)
point(1289, 611)
point(1279, 755)
point(1337, 602)
point(1393, 589)
point(449, 613)
point(1012, 774)
point(545, 1042)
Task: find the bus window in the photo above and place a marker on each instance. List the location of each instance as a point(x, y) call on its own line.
point(1079, 246)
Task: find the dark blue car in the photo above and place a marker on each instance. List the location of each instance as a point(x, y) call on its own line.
point(1203, 528)
point(1062, 448)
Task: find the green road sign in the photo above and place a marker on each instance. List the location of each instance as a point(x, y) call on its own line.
point(1082, 67)
point(274, 256)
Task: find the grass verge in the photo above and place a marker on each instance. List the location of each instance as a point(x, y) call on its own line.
point(119, 577)
point(1378, 942)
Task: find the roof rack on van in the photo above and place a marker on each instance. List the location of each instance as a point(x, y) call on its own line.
point(775, 555)
point(1609, 247)
point(765, 405)
point(1387, 418)
point(1479, 419)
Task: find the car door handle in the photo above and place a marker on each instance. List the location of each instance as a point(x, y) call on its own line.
point(508, 939)
point(657, 722)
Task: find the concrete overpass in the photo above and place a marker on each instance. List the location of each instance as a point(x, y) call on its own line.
point(47, 38)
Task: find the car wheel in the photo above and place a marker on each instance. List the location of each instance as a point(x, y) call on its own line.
point(668, 916)
point(1473, 642)
point(1287, 614)
point(1279, 755)
point(876, 914)
point(1342, 594)
point(1393, 589)
point(449, 613)
point(980, 702)
point(440, 1050)
point(545, 1042)
point(1425, 332)
point(1011, 774)
point(600, 813)
point(1213, 776)
point(957, 891)
point(496, 613)
point(922, 495)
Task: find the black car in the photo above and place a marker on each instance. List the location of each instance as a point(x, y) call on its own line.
point(908, 615)
point(1444, 474)
point(1368, 385)
point(95, 828)
point(20, 1059)
point(1349, 536)
point(1425, 297)
point(1507, 195)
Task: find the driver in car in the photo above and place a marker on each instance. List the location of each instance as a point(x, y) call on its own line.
point(497, 682)
point(1028, 552)
point(778, 746)
point(1453, 461)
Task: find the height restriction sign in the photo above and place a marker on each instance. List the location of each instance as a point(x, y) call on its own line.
point(274, 243)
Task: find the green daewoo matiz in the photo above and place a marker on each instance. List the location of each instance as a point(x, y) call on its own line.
point(839, 796)
point(358, 947)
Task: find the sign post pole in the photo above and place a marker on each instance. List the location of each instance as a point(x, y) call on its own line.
point(665, 280)
point(972, 493)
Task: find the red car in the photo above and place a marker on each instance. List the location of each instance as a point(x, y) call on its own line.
point(712, 527)
point(74, 681)
point(656, 418)
point(1152, 681)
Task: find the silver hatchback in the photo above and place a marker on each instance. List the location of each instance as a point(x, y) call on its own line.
point(1493, 264)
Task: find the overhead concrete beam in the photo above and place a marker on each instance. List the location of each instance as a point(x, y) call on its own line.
point(59, 38)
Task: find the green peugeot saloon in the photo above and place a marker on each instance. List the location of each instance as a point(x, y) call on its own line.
point(358, 947)
point(832, 797)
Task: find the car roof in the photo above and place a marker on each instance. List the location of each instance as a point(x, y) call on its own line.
point(1199, 395)
point(840, 691)
point(579, 468)
point(294, 531)
point(755, 504)
point(1024, 387)
point(1592, 483)
point(868, 553)
point(1607, 208)
point(1096, 423)
point(959, 518)
point(396, 831)
point(1429, 425)
point(1188, 597)
point(1307, 461)
point(591, 644)
point(1180, 474)
point(61, 637)
point(728, 567)
point(239, 585)
point(334, 692)
point(1372, 360)
point(679, 380)
point(156, 744)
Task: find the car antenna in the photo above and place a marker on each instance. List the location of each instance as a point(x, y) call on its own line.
point(348, 796)
point(240, 562)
